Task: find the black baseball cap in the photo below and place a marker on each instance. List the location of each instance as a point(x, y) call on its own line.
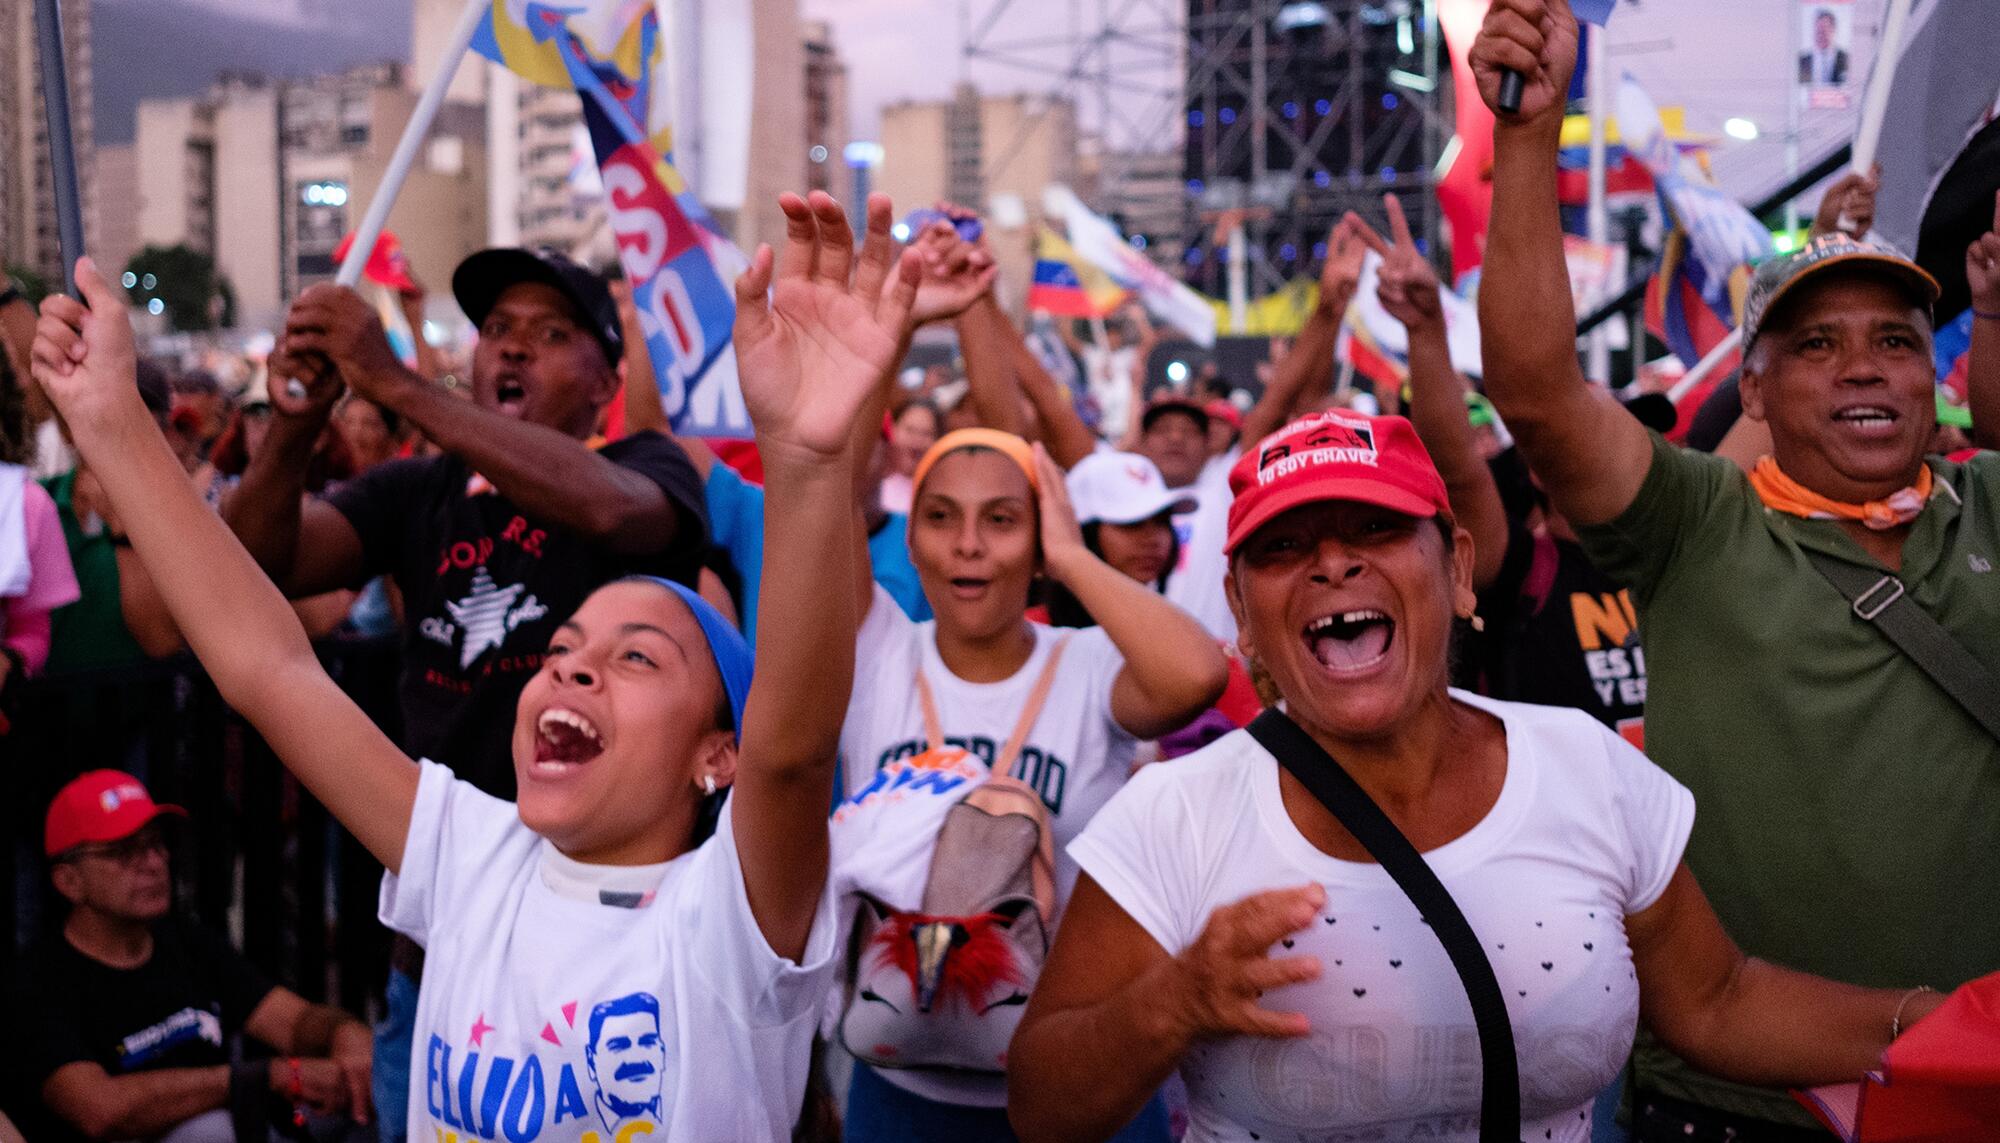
point(481, 279)
point(1174, 403)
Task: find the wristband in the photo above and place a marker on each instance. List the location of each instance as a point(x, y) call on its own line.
point(1896, 1022)
point(1986, 315)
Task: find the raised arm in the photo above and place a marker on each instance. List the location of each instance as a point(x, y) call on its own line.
point(305, 545)
point(1311, 357)
point(1409, 291)
point(237, 622)
point(1982, 272)
point(547, 472)
point(643, 407)
point(1068, 439)
point(814, 356)
point(1174, 669)
point(1589, 453)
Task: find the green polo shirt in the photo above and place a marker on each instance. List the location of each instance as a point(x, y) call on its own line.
point(1847, 810)
point(91, 632)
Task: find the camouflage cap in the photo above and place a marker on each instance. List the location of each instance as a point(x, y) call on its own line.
point(1777, 278)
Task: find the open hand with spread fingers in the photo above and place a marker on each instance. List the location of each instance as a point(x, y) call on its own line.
point(1537, 38)
point(83, 357)
point(1408, 284)
point(1229, 966)
point(818, 330)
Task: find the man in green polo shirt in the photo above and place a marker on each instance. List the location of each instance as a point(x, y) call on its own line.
point(1849, 810)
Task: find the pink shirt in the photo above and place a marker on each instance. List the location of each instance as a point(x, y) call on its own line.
point(24, 619)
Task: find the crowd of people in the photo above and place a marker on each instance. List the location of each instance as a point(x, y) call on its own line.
point(990, 757)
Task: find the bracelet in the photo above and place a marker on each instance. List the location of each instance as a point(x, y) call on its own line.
point(1896, 1022)
point(1986, 315)
point(295, 1092)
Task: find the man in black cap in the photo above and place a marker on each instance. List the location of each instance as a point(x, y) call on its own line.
point(494, 543)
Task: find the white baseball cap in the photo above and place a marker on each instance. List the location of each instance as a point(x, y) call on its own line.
point(1121, 488)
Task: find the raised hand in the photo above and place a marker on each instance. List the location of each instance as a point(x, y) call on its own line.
point(1982, 270)
point(1408, 283)
point(957, 273)
point(83, 357)
point(1849, 205)
point(812, 352)
point(1536, 38)
point(1062, 536)
point(330, 327)
point(1346, 249)
point(1229, 966)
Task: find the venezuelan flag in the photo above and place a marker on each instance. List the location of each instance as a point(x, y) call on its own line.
point(622, 36)
point(1067, 286)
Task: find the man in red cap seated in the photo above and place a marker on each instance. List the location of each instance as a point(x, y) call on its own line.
point(123, 1022)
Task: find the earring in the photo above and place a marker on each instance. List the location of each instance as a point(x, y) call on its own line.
point(708, 784)
point(1478, 623)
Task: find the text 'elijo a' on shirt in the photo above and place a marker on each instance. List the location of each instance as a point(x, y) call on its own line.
point(565, 1002)
point(484, 587)
point(1584, 833)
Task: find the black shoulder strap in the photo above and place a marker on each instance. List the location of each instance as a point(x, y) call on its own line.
point(1881, 599)
point(1295, 750)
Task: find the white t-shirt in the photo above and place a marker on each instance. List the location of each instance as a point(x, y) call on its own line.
point(1585, 832)
point(547, 1015)
point(1076, 756)
point(1195, 585)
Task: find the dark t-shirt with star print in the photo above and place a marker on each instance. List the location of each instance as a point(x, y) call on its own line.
point(485, 586)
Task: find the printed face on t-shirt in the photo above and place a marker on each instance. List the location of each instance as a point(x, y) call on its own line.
point(973, 541)
point(536, 361)
point(1349, 608)
point(609, 733)
point(626, 1057)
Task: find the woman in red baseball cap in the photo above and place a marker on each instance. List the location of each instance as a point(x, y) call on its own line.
point(1229, 924)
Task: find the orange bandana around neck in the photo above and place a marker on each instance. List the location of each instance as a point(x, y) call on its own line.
point(1783, 494)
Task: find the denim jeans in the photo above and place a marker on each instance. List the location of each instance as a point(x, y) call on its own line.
point(393, 1039)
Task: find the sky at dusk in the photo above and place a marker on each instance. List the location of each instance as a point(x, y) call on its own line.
point(1719, 58)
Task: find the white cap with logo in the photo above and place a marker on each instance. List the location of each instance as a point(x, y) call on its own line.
point(1122, 488)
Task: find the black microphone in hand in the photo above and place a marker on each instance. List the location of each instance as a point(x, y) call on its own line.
point(1512, 84)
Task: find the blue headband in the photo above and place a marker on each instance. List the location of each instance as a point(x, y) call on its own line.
point(725, 645)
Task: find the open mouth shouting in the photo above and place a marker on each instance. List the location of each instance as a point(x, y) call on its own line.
point(510, 396)
point(564, 742)
point(1349, 642)
point(969, 588)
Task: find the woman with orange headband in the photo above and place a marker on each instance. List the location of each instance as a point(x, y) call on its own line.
point(1062, 711)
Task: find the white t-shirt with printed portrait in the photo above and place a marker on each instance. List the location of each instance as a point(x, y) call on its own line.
point(1586, 831)
point(1076, 756)
point(546, 1013)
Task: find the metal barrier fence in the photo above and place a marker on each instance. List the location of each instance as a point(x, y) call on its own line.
point(259, 858)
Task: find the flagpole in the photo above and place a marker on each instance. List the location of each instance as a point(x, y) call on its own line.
point(1598, 224)
point(62, 146)
point(413, 137)
point(1706, 366)
point(1875, 105)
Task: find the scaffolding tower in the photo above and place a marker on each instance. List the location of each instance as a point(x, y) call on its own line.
point(1299, 111)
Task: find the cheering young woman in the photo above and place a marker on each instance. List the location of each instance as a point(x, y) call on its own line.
point(597, 968)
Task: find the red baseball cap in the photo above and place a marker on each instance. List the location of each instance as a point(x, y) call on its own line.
point(1224, 410)
point(101, 806)
point(1335, 455)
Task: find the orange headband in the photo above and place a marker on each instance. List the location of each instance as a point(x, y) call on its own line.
point(1006, 444)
